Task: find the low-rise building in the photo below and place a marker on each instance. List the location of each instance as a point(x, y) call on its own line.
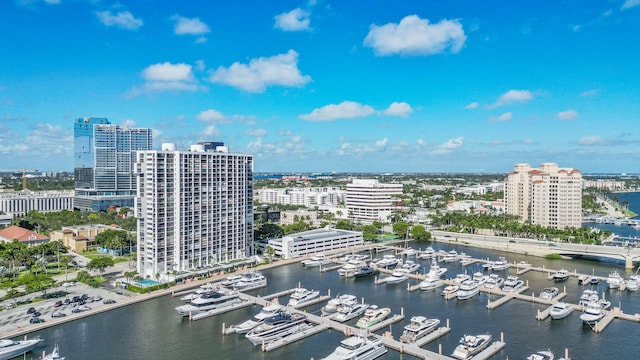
point(19, 203)
point(23, 235)
point(80, 238)
point(315, 241)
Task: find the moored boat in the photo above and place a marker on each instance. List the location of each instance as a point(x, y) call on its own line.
point(467, 290)
point(334, 304)
point(470, 345)
point(541, 355)
point(449, 290)
point(277, 327)
point(372, 316)
point(592, 314)
point(250, 280)
point(348, 312)
point(396, 277)
point(560, 310)
point(54, 355)
point(549, 293)
point(430, 283)
point(13, 348)
point(302, 297)
point(358, 348)
point(315, 261)
point(209, 301)
point(259, 318)
point(561, 275)
point(614, 280)
point(365, 271)
point(418, 327)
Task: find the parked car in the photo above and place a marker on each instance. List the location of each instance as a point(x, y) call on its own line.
point(58, 314)
point(36, 314)
point(36, 320)
point(58, 303)
point(97, 298)
point(75, 299)
point(31, 310)
point(66, 301)
point(84, 308)
point(109, 301)
point(72, 305)
point(76, 310)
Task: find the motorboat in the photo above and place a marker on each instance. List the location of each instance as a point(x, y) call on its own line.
point(467, 290)
point(583, 279)
point(588, 296)
point(277, 327)
point(479, 278)
point(560, 310)
point(410, 266)
point(418, 327)
point(358, 348)
point(494, 281)
point(512, 283)
point(334, 304)
point(460, 278)
point(365, 271)
point(348, 269)
point(470, 345)
point(348, 312)
point(388, 262)
point(523, 264)
point(500, 264)
point(205, 288)
point(250, 280)
point(549, 293)
point(259, 318)
point(449, 290)
point(302, 297)
point(316, 260)
point(541, 355)
point(614, 280)
point(428, 253)
point(633, 283)
point(594, 281)
point(592, 314)
point(561, 275)
point(430, 283)
point(396, 277)
point(209, 301)
point(54, 355)
point(435, 270)
point(409, 252)
point(13, 348)
point(372, 316)
point(231, 280)
point(451, 256)
point(354, 257)
point(604, 303)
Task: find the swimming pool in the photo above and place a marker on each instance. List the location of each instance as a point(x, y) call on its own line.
point(147, 283)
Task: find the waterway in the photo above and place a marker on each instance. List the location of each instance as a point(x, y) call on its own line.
point(633, 198)
point(153, 330)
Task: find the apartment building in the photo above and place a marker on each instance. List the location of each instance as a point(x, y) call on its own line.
point(368, 200)
point(548, 196)
point(194, 208)
point(307, 196)
point(19, 203)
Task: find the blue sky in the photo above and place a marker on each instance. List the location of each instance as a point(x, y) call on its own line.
point(367, 86)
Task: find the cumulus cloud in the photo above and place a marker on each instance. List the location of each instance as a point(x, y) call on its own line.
point(401, 109)
point(279, 70)
point(294, 20)
point(416, 36)
point(449, 146)
point(567, 115)
point(502, 118)
point(187, 26)
point(344, 110)
point(591, 92)
point(472, 105)
point(124, 20)
point(513, 96)
point(628, 4)
point(167, 77)
point(211, 116)
point(258, 133)
point(591, 140)
point(211, 130)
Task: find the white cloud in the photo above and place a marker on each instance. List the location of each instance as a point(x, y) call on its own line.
point(262, 72)
point(401, 109)
point(591, 140)
point(591, 92)
point(166, 77)
point(211, 116)
point(294, 20)
point(513, 96)
point(211, 130)
point(472, 105)
point(449, 146)
point(123, 20)
point(344, 110)
point(187, 26)
point(416, 36)
point(567, 115)
point(628, 4)
point(502, 118)
point(258, 133)
point(381, 143)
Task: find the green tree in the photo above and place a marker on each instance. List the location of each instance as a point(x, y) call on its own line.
point(269, 231)
point(400, 229)
point(419, 233)
point(100, 264)
point(344, 225)
point(113, 239)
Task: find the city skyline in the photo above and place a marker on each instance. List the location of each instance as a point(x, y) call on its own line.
point(320, 86)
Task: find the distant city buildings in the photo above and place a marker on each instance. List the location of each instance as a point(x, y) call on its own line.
point(368, 200)
point(315, 241)
point(307, 196)
point(477, 206)
point(547, 196)
point(104, 155)
point(19, 203)
point(604, 184)
point(194, 208)
point(481, 189)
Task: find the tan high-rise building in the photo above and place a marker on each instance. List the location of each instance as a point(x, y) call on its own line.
point(547, 196)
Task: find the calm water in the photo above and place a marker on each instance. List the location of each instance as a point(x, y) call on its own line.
point(634, 205)
point(152, 330)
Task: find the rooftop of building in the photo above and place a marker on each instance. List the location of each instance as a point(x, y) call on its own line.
point(21, 234)
point(320, 234)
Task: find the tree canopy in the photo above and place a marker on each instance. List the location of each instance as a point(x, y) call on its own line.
point(100, 263)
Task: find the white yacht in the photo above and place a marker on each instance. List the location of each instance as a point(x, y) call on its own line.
point(460, 278)
point(348, 312)
point(549, 293)
point(633, 283)
point(410, 266)
point(560, 310)
point(358, 348)
point(451, 256)
point(614, 280)
point(13, 348)
point(494, 281)
point(334, 304)
point(249, 281)
point(479, 278)
point(372, 316)
point(592, 314)
point(588, 296)
point(54, 355)
point(512, 283)
point(497, 265)
point(259, 318)
point(430, 283)
point(418, 328)
point(449, 290)
point(397, 276)
point(209, 301)
point(428, 253)
point(387, 261)
point(302, 297)
point(561, 275)
point(232, 279)
point(277, 327)
point(470, 345)
point(348, 269)
point(541, 355)
point(467, 290)
point(316, 260)
point(435, 270)
point(409, 252)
